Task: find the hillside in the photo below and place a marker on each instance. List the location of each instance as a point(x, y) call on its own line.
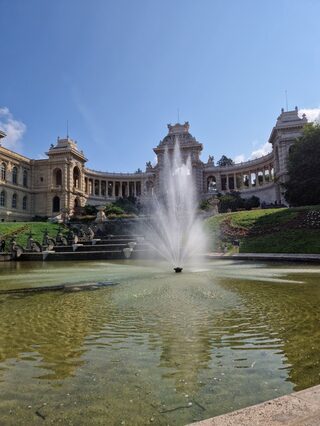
point(294, 230)
point(22, 229)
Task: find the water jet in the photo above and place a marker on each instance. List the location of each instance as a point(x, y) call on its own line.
point(174, 230)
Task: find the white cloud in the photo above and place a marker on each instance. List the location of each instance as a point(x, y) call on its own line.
point(257, 153)
point(14, 129)
point(262, 150)
point(41, 157)
point(240, 158)
point(313, 114)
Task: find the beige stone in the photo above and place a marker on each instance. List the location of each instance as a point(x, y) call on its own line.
point(62, 182)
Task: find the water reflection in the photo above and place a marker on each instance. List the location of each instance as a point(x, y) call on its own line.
point(217, 339)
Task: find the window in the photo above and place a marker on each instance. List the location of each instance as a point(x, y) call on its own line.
point(14, 201)
point(2, 199)
point(76, 177)
point(24, 203)
point(14, 175)
point(57, 177)
point(3, 170)
point(25, 178)
point(55, 204)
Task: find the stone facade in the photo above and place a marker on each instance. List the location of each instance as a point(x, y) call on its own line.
point(62, 182)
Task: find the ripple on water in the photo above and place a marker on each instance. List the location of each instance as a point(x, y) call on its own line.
point(226, 339)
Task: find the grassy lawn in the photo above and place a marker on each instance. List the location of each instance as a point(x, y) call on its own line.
point(268, 230)
point(22, 230)
point(289, 241)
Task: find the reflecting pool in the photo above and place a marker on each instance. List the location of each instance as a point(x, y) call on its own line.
point(159, 347)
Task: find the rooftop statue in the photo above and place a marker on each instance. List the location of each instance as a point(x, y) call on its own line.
point(210, 160)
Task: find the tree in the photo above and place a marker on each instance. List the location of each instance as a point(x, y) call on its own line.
point(303, 186)
point(225, 161)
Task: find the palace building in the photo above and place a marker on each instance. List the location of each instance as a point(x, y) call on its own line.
point(63, 182)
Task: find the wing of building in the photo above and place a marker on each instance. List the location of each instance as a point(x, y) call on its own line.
point(62, 181)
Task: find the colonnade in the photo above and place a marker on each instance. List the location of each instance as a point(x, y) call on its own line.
point(112, 188)
point(239, 180)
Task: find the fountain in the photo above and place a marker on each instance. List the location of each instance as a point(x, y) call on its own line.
point(174, 231)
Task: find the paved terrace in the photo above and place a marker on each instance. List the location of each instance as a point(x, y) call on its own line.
point(297, 409)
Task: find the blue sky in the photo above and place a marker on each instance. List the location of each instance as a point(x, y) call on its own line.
point(119, 70)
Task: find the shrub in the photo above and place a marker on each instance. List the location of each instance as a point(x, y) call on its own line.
point(128, 205)
point(89, 210)
point(204, 205)
point(113, 210)
point(252, 202)
point(234, 202)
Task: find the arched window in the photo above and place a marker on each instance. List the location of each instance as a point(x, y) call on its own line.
point(57, 177)
point(24, 203)
point(55, 204)
point(3, 169)
point(2, 199)
point(76, 177)
point(14, 201)
point(14, 175)
point(25, 178)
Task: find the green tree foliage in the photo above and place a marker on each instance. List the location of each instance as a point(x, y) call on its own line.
point(225, 161)
point(303, 186)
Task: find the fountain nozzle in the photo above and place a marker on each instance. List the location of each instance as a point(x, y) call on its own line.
point(177, 269)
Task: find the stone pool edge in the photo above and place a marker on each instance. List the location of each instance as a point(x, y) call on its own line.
point(298, 408)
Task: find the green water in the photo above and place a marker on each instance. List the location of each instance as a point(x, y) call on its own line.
point(159, 348)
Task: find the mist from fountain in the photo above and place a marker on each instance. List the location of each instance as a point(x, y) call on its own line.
point(174, 230)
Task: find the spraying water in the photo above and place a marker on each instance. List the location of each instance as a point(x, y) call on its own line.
point(174, 230)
